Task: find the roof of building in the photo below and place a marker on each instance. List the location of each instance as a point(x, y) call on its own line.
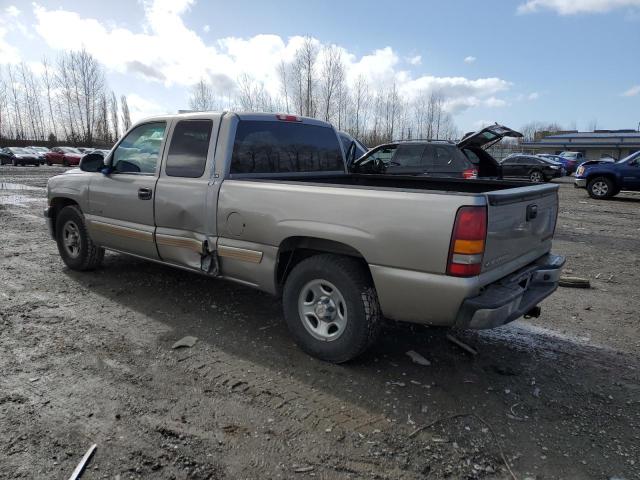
point(603, 135)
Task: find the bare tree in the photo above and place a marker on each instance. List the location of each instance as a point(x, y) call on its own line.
point(113, 113)
point(126, 118)
point(304, 72)
point(202, 98)
point(331, 80)
point(283, 75)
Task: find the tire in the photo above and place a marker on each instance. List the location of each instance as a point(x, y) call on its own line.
point(340, 289)
point(65, 163)
point(14, 162)
point(536, 176)
point(48, 163)
point(74, 243)
point(601, 187)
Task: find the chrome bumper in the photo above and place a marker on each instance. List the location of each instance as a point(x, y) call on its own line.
point(513, 296)
point(580, 183)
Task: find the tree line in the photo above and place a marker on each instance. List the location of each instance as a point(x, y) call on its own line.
point(68, 101)
point(315, 84)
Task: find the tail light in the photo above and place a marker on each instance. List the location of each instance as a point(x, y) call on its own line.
point(288, 118)
point(467, 242)
point(471, 173)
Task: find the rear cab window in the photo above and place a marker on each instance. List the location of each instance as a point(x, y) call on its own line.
point(189, 147)
point(265, 147)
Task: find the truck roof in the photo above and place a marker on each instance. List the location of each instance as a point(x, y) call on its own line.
point(256, 116)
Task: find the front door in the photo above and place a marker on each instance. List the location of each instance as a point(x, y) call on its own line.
point(121, 202)
point(630, 172)
point(186, 193)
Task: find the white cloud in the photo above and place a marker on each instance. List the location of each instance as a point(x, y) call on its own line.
point(470, 59)
point(572, 7)
point(12, 11)
point(632, 92)
point(533, 96)
point(140, 107)
point(206, 28)
point(417, 60)
point(166, 50)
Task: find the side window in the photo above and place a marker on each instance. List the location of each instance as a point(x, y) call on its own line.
point(408, 155)
point(278, 147)
point(449, 159)
point(189, 147)
point(140, 150)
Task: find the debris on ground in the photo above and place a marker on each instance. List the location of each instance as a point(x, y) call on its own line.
point(417, 358)
point(461, 344)
point(574, 282)
point(185, 342)
point(83, 463)
point(304, 469)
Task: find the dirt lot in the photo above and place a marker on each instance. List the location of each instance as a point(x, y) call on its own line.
point(87, 358)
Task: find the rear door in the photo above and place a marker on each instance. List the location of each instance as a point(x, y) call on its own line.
point(121, 203)
point(520, 225)
point(511, 167)
point(186, 195)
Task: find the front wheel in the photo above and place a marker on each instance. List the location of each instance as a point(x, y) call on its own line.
point(14, 162)
point(536, 176)
point(65, 163)
point(74, 243)
point(331, 307)
point(601, 187)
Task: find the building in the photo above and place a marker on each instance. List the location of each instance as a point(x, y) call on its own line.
point(594, 145)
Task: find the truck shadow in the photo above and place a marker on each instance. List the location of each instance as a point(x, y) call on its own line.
point(524, 382)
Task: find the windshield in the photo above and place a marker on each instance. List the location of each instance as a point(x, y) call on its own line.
point(550, 160)
point(631, 157)
point(21, 151)
point(569, 154)
point(70, 150)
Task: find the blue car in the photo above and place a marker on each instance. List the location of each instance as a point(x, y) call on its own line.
point(606, 179)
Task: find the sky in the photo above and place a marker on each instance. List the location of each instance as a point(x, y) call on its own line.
point(509, 61)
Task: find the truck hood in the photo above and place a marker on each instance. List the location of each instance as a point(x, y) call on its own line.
point(487, 136)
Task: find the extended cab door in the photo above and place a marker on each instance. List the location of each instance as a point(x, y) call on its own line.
point(630, 173)
point(187, 193)
point(121, 202)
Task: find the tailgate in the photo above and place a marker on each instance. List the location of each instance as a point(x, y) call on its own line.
point(520, 225)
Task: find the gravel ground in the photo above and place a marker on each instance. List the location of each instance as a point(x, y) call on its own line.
point(86, 358)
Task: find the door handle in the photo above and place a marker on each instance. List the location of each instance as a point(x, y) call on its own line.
point(145, 193)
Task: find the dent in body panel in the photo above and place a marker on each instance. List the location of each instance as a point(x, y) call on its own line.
point(71, 186)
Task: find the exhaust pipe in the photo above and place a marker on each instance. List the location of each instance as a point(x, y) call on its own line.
point(534, 312)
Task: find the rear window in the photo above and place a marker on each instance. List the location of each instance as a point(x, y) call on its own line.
point(279, 147)
point(445, 158)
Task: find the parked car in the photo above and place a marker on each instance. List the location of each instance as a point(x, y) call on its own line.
point(531, 167)
point(66, 156)
point(578, 157)
point(84, 149)
point(570, 164)
point(436, 158)
point(475, 144)
point(605, 179)
point(18, 156)
point(266, 200)
point(101, 151)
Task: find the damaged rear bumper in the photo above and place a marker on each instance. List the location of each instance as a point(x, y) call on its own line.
point(513, 296)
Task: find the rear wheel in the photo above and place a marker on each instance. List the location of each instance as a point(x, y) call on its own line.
point(48, 163)
point(65, 163)
point(74, 243)
point(536, 176)
point(601, 187)
point(14, 162)
point(331, 307)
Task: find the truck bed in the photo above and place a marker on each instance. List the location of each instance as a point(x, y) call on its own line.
point(400, 182)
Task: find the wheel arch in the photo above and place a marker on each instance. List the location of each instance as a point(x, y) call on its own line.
point(292, 250)
point(57, 204)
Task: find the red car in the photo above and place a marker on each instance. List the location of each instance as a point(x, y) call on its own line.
point(64, 156)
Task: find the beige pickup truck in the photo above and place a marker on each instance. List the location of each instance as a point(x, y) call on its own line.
point(266, 200)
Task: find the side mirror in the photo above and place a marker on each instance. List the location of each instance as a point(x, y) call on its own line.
point(92, 162)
